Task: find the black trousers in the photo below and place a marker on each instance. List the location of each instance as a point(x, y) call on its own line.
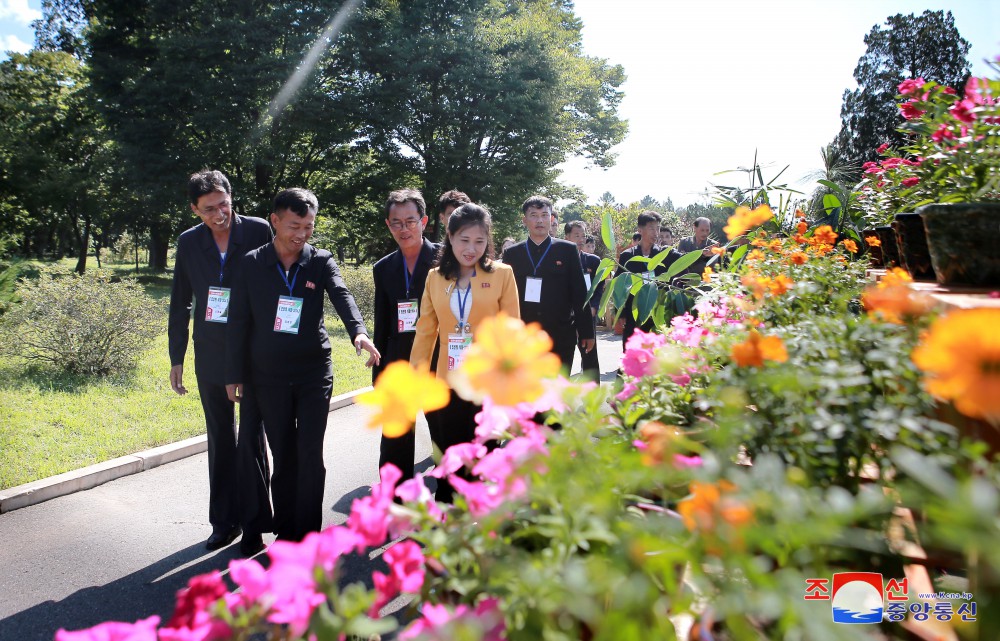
point(452, 424)
point(295, 418)
point(564, 344)
point(400, 451)
point(589, 365)
point(237, 473)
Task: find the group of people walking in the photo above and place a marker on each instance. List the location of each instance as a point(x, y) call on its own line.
point(257, 298)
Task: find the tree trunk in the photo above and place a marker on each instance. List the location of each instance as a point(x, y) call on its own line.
point(81, 262)
point(158, 245)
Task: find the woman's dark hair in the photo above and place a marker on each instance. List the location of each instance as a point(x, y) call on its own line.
point(467, 215)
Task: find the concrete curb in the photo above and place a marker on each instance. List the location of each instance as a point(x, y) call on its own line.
point(99, 473)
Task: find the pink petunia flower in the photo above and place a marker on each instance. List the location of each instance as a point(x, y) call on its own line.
point(963, 110)
point(910, 111)
point(482, 498)
point(911, 181)
point(142, 630)
point(881, 149)
point(911, 86)
point(406, 562)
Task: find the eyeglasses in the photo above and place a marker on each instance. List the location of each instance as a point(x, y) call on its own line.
point(398, 225)
point(215, 209)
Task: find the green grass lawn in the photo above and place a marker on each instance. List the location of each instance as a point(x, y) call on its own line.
point(52, 422)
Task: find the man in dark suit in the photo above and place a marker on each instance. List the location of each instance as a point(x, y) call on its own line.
point(649, 230)
point(550, 284)
point(399, 287)
point(576, 232)
point(209, 256)
point(279, 338)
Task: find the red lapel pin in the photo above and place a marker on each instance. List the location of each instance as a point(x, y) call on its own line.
point(485, 284)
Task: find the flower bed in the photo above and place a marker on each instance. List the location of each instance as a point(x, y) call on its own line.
point(753, 452)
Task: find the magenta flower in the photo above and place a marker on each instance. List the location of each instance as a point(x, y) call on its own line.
point(911, 181)
point(910, 111)
point(687, 461)
point(681, 379)
point(881, 149)
point(963, 110)
point(640, 353)
point(296, 611)
point(406, 562)
point(252, 579)
point(436, 620)
point(627, 391)
point(911, 86)
point(369, 519)
point(456, 457)
point(482, 498)
point(142, 630)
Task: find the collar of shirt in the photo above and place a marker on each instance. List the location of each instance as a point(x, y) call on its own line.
point(235, 235)
point(271, 255)
point(537, 248)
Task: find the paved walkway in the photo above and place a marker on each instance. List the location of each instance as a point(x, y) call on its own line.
point(120, 551)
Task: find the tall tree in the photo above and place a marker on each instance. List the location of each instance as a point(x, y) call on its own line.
point(56, 156)
point(927, 46)
point(487, 96)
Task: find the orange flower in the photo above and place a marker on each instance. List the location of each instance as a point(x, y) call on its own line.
point(708, 503)
point(780, 284)
point(759, 242)
point(706, 276)
point(745, 219)
point(508, 361)
point(798, 257)
point(400, 393)
point(873, 241)
point(895, 277)
point(800, 239)
point(659, 440)
point(775, 245)
point(825, 235)
point(802, 227)
point(894, 304)
point(850, 245)
point(757, 349)
point(756, 254)
point(718, 251)
point(960, 356)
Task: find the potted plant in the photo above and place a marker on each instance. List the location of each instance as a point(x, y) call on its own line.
point(957, 186)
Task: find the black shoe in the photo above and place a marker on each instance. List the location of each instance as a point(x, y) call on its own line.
point(251, 545)
point(221, 538)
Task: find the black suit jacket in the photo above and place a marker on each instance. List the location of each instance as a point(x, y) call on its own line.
point(276, 358)
point(562, 309)
point(196, 268)
point(390, 287)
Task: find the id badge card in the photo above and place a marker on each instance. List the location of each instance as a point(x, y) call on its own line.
point(457, 346)
point(289, 315)
point(406, 315)
point(586, 279)
point(217, 305)
point(533, 290)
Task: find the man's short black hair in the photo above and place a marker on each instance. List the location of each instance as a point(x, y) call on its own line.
point(452, 198)
point(574, 224)
point(207, 181)
point(402, 196)
point(649, 216)
point(539, 202)
point(300, 201)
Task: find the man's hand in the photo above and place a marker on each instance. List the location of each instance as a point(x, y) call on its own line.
point(588, 345)
point(177, 379)
point(362, 342)
point(235, 392)
point(707, 251)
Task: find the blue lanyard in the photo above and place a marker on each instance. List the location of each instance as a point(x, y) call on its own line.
point(222, 264)
point(290, 285)
point(534, 266)
point(406, 275)
point(462, 302)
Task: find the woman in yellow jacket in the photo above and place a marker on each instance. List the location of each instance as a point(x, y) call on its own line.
point(465, 287)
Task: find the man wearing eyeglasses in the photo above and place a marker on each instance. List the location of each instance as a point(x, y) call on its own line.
point(208, 258)
point(399, 287)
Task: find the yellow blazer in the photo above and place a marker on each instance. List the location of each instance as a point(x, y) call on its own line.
point(492, 293)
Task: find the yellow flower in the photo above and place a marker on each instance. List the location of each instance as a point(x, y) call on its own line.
point(745, 219)
point(757, 349)
point(708, 501)
point(400, 393)
point(873, 241)
point(507, 361)
point(756, 254)
point(706, 276)
point(960, 356)
point(851, 246)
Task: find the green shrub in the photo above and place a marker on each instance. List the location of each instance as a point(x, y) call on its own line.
point(80, 324)
point(362, 285)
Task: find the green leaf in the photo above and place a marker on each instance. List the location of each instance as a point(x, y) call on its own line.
point(657, 260)
point(621, 285)
point(740, 252)
point(645, 300)
point(680, 265)
point(608, 233)
point(606, 296)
